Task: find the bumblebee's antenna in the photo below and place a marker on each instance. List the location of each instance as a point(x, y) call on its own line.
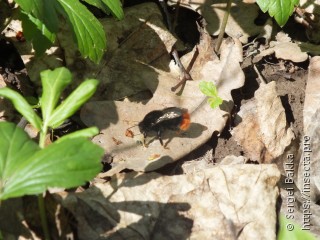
point(132, 126)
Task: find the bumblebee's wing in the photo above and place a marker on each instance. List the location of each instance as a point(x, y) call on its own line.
point(168, 115)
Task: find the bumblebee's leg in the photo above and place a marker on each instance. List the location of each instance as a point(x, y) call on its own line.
point(144, 140)
point(159, 137)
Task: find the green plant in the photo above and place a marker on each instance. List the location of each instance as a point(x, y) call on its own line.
point(281, 10)
point(210, 90)
point(30, 168)
point(40, 22)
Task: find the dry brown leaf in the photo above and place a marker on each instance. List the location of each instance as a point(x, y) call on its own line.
point(290, 51)
point(275, 132)
point(309, 167)
point(231, 160)
point(284, 49)
point(263, 131)
point(138, 47)
point(214, 203)
point(309, 163)
point(240, 22)
point(206, 162)
point(283, 37)
point(312, 93)
point(247, 133)
point(114, 118)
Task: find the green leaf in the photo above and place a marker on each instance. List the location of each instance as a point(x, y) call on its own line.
point(33, 101)
point(53, 83)
point(281, 10)
point(27, 170)
point(87, 133)
point(289, 230)
point(22, 106)
point(16, 147)
point(214, 102)
point(44, 10)
point(208, 89)
point(73, 102)
point(37, 33)
point(98, 4)
point(89, 33)
point(115, 7)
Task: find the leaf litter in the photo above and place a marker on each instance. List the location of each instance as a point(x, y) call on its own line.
point(208, 199)
point(209, 204)
point(263, 131)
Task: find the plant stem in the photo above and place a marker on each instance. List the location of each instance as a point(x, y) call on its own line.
point(42, 209)
point(42, 138)
point(43, 217)
point(223, 26)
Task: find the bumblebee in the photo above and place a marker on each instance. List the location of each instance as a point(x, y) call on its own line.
point(172, 118)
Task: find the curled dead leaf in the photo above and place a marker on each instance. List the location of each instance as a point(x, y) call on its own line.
point(263, 131)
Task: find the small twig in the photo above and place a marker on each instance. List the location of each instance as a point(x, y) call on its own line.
point(180, 65)
point(261, 78)
point(193, 60)
point(185, 75)
point(250, 43)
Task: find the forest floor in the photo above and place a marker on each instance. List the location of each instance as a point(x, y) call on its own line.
point(212, 181)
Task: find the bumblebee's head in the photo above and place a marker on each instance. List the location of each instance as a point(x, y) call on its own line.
point(143, 128)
